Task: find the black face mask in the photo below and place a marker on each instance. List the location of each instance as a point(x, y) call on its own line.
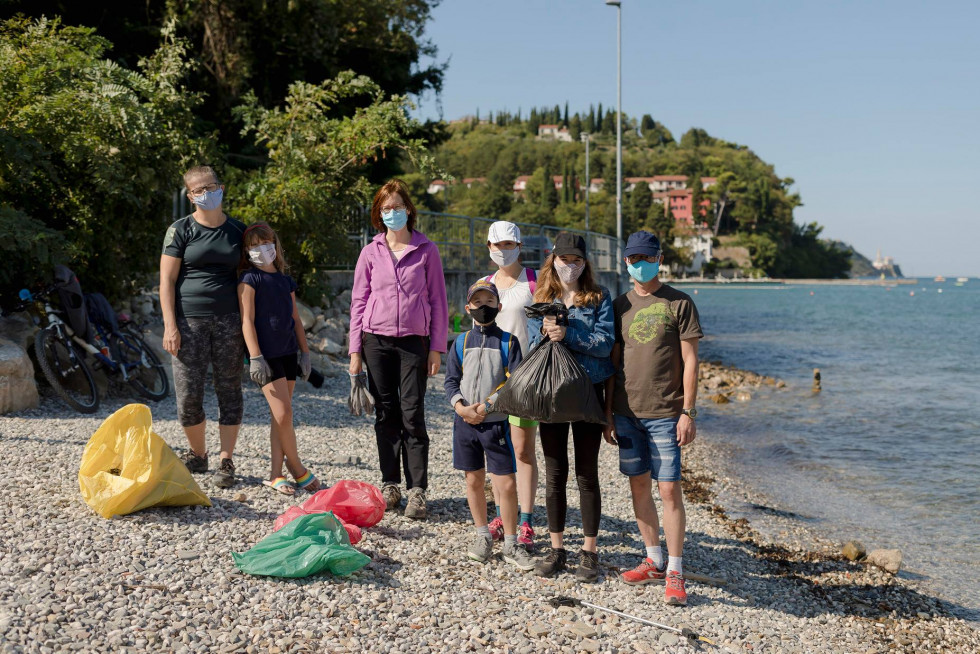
point(485, 314)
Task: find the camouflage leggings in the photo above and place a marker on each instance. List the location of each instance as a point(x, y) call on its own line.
point(216, 341)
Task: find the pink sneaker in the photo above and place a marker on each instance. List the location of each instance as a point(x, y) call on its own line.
point(496, 528)
point(525, 535)
point(645, 573)
point(675, 594)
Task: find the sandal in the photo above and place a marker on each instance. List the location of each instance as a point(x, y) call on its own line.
point(280, 484)
point(308, 481)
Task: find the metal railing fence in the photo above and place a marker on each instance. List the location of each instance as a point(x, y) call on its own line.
point(462, 242)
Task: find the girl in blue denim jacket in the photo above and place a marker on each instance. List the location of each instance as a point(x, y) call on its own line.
point(566, 277)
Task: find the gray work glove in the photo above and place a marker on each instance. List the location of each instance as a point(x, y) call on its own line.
point(305, 365)
point(259, 370)
point(360, 401)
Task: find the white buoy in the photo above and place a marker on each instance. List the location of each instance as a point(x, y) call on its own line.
point(940, 290)
point(912, 293)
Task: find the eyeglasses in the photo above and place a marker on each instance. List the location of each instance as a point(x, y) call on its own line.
point(394, 207)
point(210, 188)
point(649, 258)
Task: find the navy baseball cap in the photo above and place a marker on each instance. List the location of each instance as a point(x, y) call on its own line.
point(642, 242)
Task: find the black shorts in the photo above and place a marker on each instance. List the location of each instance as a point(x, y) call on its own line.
point(285, 366)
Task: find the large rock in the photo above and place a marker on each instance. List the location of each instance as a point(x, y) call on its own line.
point(889, 560)
point(17, 388)
point(343, 301)
point(306, 315)
point(853, 550)
point(334, 329)
point(20, 329)
point(326, 346)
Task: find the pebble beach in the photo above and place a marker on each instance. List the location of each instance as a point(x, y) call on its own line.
point(163, 579)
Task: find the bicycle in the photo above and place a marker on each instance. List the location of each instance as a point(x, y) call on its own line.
point(60, 352)
point(131, 358)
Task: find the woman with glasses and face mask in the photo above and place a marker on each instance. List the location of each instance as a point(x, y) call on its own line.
point(399, 323)
point(202, 323)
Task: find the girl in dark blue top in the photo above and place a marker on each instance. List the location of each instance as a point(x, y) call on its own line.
point(277, 348)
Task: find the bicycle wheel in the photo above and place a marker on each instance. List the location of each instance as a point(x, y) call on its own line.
point(64, 367)
point(143, 368)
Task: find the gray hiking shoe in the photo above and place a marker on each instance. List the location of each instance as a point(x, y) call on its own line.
point(194, 462)
point(518, 556)
point(480, 548)
point(415, 506)
point(225, 476)
point(392, 495)
point(588, 567)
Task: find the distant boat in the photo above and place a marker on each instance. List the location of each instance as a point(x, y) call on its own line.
point(939, 278)
point(962, 280)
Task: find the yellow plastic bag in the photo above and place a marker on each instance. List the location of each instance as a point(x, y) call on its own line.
point(126, 467)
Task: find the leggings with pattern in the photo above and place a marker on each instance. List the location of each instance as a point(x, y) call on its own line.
point(214, 341)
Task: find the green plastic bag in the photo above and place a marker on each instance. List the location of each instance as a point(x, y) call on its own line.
point(306, 546)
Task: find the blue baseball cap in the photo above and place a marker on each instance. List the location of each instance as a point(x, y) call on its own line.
point(642, 242)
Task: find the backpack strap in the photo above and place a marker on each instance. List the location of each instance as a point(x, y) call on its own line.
point(461, 346)
point(505, 351)
point(532, 279)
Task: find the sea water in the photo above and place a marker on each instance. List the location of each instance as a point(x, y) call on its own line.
point(887, 451)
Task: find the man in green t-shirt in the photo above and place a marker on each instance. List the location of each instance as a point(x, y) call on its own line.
point(650, 406)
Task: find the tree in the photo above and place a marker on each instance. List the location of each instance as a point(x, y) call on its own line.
point(315, 183)
point(575, 128)
point(90, 153)
point(565, 119)
point(647, 123)
point(609, 123)
point(636, 207)
point(263, 47)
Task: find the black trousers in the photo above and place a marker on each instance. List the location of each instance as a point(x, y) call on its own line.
point(586, 440)
point(397, 381)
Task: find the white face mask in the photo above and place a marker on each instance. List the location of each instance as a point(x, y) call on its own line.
point(504, 257)
point(568, 273)
point(262, 255)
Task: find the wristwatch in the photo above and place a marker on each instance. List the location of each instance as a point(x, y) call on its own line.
point(486, 408)
point(692, 413)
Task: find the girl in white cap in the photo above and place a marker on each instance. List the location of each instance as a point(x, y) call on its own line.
point(516, 285)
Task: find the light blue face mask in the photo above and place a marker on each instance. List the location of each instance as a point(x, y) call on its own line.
point(209, 199)
point(395, 220)
point(643, 271)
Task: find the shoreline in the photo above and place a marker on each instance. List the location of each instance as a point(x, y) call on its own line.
point(163, 579)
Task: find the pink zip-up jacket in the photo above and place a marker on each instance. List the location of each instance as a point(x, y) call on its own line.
point(407, 299)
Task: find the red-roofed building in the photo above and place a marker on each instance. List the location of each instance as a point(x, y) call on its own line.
point(596, 184)
point(680, 206)
point(520, 184)
point(470, 181)
point(554, 132)
point(708, 182)
point(435, 186)
point(668, 182)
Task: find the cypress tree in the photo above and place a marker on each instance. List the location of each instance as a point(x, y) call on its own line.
point(565, 121)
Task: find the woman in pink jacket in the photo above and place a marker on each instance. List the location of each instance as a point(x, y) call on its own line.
point(399, 321)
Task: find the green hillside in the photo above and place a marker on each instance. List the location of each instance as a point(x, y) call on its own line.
point(747, 199)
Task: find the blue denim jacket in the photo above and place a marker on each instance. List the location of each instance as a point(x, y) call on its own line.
point(589, 336)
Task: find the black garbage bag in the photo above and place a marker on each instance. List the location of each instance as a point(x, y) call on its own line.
point(549, 385)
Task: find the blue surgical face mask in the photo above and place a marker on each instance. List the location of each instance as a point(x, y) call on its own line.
point(643, 271)
point(395, 220)
point(209, 199)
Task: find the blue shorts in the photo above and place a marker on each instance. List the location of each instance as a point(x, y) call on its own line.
point(487, 444)
point(649, 445)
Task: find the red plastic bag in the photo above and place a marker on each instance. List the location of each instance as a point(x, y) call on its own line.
point(293, 512)
point(356, 502)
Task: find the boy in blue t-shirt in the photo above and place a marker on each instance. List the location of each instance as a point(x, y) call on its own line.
point(476, 366)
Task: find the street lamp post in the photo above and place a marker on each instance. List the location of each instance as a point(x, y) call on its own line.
point(619, 140)
point(588, 180)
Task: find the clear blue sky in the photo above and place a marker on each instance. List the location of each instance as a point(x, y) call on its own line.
point(872, 106)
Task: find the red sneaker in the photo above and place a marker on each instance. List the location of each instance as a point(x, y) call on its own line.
point(645, 573)
point(675, 594)
point(496, 528)
point(525, 535)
